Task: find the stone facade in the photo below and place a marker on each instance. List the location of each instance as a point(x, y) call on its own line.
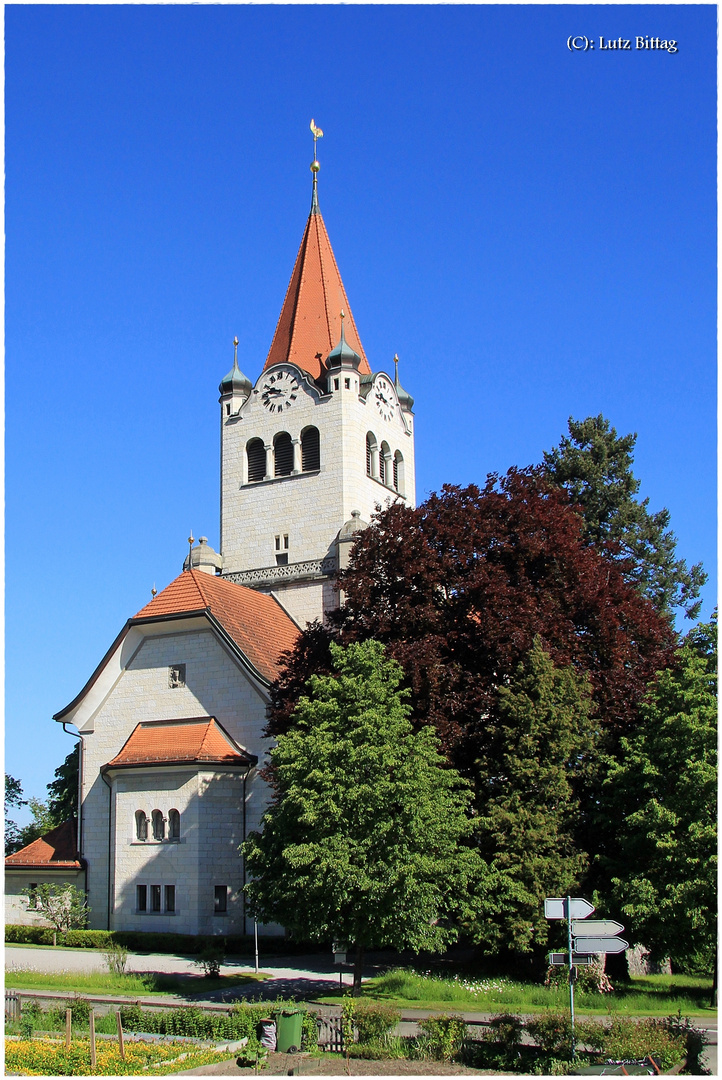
point(210, 803)
point(309, 508)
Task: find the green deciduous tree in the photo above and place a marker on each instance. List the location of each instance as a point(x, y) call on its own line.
point(63, 790)
point(43, 821)
point(542, 745)
point(594, 466)
point(13, 798)
point(364, 840)
point(663, 794)
point(61, 804)
point(64, 906)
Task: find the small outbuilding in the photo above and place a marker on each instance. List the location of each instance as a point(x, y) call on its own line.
point(52, 859)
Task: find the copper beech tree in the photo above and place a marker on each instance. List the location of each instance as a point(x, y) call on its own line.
point(458, 590)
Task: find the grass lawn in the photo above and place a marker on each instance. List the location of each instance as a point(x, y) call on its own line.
point(652, 995)
point(131, 984)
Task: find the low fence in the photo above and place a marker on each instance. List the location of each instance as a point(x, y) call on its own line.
point(12, 1005)
point(330, 1033)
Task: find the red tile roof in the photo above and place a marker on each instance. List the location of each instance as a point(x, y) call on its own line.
point(56, 850)
point(176, 742)
point(257, 623)
point(310, 321)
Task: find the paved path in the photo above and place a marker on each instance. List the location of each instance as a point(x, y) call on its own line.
point(307, 975)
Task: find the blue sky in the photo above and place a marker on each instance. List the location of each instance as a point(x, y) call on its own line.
point(532, 230)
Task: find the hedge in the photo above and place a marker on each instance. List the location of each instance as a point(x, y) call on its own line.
point(140, 941)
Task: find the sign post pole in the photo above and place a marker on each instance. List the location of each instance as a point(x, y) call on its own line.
point(568, 905)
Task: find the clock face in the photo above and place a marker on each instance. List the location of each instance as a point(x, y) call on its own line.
point(279, 391)
point(384, 398)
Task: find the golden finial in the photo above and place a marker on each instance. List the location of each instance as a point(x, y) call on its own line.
point(153, 592)
point(317, 134)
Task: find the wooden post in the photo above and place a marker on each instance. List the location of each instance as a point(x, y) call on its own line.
point(121, 1044)
point(68, 1026)
point(93, 1059)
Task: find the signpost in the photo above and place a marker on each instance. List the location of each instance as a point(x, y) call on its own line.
point(601, 944)
point(555, 907)
point(595, 927)
point(559, 959)
point(584, 936)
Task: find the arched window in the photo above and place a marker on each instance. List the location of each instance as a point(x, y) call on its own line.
point(256, 454)
point(398, 472)
point(141, 825)
point(283, 454)
point(370, 449)
point(173, 825)
point(310, 450)
point(158, 825)
point(385, 464)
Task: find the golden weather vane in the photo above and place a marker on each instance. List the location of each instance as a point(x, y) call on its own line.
point(317, 134)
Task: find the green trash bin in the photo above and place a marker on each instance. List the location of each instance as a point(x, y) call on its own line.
point(289, 1029)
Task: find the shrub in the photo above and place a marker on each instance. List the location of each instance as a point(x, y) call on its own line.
point(309, 1037)
point(442, 1036)
point(241, 1021)
point(390, 1050)
point(374, 1023)
point(26, 1027)
point(552, 1033)
point(116, 957)
point(211, 957)
point(506, 1030)
point(624, 1039)
point(695, 1039)
point(80, 1007)
point(590, 977)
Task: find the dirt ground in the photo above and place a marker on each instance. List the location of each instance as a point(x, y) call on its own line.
point(305, 1065)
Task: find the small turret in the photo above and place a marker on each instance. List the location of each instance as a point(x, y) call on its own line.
point(235, 387)
point(342, 359)
point(405, 399)
point(346, 537)
point(203, 557)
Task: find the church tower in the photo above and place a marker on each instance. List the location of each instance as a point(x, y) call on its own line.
point(309, 452)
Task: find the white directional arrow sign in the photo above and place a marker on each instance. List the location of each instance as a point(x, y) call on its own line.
point(600, 944)
point(554, 908)
point(596, 927)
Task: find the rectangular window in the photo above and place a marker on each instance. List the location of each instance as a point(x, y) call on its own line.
point(155, 898)
point(347, 384)
point(285, 541)
point(170, 897)
point(335, 384)
point(278, 543)
point(282, 558)
point(141, 897)
point(221, 899)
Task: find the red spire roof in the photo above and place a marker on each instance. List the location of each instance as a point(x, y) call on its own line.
point(176, 742)
point(309, 325)
point(257, 623)
point(56, 850)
